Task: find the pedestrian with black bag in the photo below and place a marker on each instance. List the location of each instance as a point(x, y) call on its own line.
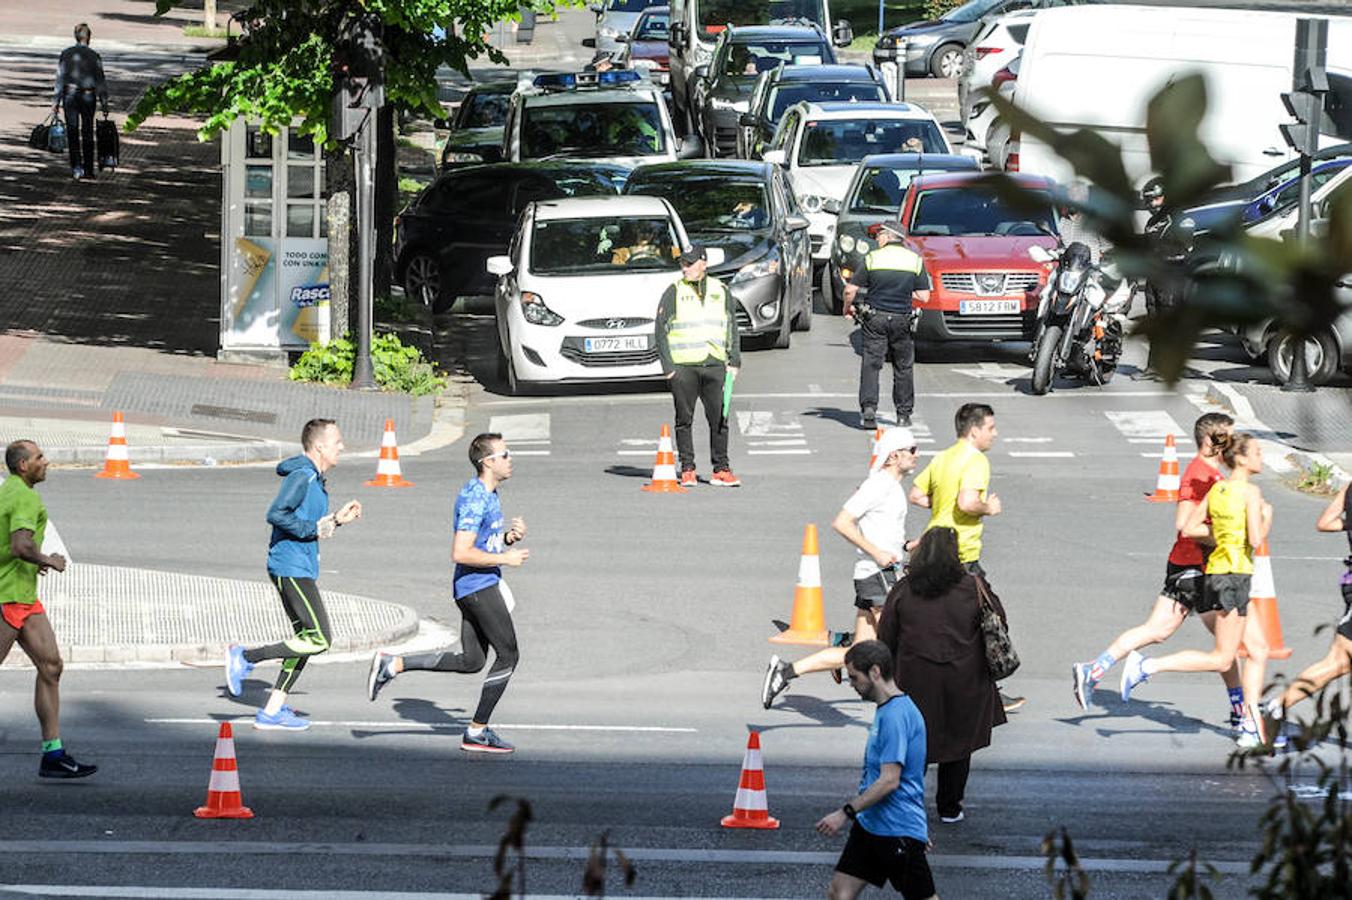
point(894, 277)
point(949, 640)
point(79, 83)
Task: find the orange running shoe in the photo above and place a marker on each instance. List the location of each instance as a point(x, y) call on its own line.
point(689, 478)
point(725, 479)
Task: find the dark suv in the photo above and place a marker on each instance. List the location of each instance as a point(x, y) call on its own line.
point(723, 88)
point(783, 86)
point(476, 127)
point(935, 46)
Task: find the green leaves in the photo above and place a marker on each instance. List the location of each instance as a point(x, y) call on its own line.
point(397, 367)
point(1172, 120)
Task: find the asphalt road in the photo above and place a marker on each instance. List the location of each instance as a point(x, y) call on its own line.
point(643, 622)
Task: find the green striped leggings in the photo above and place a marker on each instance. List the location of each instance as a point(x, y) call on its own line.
point(309, 620)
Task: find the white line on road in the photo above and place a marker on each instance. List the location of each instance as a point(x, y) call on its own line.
point(1159, 440)
point(1026, 440)
point(640, 442)
point(1042, 454)
point(424, 726)
point(517, 441)
point(788, 442)
point(1003, 396)
point(635, 452)
point(526, 425)
point(777, 452)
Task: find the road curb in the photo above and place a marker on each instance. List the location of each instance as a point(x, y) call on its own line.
point(1241, 409)
point(57, 44)
point(207, 453)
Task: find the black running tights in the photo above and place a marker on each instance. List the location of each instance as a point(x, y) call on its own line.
point(309, 620)
point(485, 622)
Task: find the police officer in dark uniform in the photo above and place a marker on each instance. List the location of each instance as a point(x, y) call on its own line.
point(892, 275)
point(79, 82)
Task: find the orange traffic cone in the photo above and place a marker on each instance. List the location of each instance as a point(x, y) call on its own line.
point(1166, 484)
point(873, 444)
point(223, 800)
point(807, 625)
point(116, 463)
point(387, 469)
point(749, 808)
point(664, 467)
point(1263, 604)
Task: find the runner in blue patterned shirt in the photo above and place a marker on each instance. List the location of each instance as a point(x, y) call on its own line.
point(479, 552)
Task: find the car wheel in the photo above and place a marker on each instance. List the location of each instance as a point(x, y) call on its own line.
point(1321, 354)
point(803, 321)
point(785, 333)
point(947, 61)
point(422, 281)
point(831, 304)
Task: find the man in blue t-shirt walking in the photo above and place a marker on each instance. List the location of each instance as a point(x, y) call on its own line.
point(485, 602)
point(890, 834)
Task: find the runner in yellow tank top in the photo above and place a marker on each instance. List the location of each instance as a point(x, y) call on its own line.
point(1240, 520)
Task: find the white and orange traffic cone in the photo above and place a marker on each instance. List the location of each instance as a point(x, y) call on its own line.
point(1166, 483)
point(664, 467)
point(873, 447)
point(116, 463)
point(223, 797)
point(750, 808)
point(388, 473)
point(807, 625)
point(1263, 604)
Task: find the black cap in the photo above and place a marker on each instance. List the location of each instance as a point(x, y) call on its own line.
point(693, 255)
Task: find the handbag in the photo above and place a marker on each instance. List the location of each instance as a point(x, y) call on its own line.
point(1001, 659)
point(38, 137)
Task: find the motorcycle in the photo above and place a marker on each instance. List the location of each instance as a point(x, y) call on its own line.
point(1080, 323)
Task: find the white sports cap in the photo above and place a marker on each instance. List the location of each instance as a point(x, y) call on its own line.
point(893, 439)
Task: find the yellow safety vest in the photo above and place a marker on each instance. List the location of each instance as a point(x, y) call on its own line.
point(893, 257)
point(699, 328)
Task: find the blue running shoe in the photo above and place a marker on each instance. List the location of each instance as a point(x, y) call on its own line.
point(379, 675)
point(1132, 673)
point(236, 669)
point(1080, 683)
point(285, 720)
point(487, 742)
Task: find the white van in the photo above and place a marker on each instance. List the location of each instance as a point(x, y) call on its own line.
point(696, 24)
point(1097, 67)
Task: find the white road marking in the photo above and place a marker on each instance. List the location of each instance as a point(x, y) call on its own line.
point(777, 452)
point(423, 726)
point(527, 426)
point(1026, 440)
point(640, 442)
point(1178, 439)
point(814, 388)
point(790, 442)
point(1145, 424)
point(997, 372)
point(635, 452)
point(1003, 396)
point(768, 424)
point(518, 442)
point(1042, 454)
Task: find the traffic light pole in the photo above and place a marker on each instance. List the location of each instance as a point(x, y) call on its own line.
point(363, 153)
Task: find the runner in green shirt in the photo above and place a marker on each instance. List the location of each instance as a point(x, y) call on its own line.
point(22, 618)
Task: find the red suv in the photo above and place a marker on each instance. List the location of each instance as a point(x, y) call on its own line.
point(984, 286)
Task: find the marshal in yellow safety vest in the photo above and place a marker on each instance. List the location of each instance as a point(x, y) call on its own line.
point(699, 327)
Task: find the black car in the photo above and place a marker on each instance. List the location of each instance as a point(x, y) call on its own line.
point(723, 87)
point(775, 91)
point(935, 46)
point(445, 236)
point(747, 209)
point(476, 127)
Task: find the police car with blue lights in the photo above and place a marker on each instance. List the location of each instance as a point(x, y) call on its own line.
point(618, 116)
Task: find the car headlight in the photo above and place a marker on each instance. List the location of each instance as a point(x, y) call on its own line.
point(534, 309)
point(846, 274)
point(724, 105)
point(608, 32)
point(920, 40)
point(758, 269)
point(862, 245)
point(813, 203)
point(846, 243)
point(887, 41)
point(462, 156)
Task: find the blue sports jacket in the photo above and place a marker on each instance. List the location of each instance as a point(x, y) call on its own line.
point(303, 500)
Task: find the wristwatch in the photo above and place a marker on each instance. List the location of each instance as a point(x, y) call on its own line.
point(849, 811)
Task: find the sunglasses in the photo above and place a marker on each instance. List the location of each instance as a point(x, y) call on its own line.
point(505, 454)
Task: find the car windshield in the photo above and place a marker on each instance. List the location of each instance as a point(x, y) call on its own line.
point(592, 130)
point(835, 143)
point(970, 12)
point(784, 96)
point(715, 15)
point(653, 27)
point(629, 6)
point(603, 246)
point(975, 210)
point(881, 188)
point(486, 110)
point(710, 202)
point(752, 59)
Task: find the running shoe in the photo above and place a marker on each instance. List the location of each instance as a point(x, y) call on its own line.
point(77, 173)
point(380, 674)
point(952, 820)
point(689, 478)
point(1248, 736)
point(1080, 683)
point(285, 720)
point(1011, 703)
point(487, 742)
point(775, 682)
point(237, 669)
point(63, 765)
point(725, 479)
point(1132, 673)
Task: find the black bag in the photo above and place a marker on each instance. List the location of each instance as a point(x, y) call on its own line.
point(1001, 659)
point(37, 138)
point(107, 142)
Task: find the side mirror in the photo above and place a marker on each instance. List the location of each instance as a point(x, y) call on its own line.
point(691, 147)
point(498, 265)
point(832, 206)
point(747, 120)
point(621, 38)
point(700, 73)
point(796, 223)
point(1039, 253)
point(716, 256)
point(842, 35)
point(778, 157)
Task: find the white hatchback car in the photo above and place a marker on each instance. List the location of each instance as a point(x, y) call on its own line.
point(577, 292)
point(821, 144)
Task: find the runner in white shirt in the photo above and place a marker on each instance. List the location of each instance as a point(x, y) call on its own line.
point(874, 521)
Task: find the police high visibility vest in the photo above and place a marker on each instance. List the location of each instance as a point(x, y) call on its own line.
point(699, 328)
point(895, 258)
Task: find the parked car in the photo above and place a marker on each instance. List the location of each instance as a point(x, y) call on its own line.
point(747, 210)
point(999, 139)
point(1273, 200)
point(935, 46)
point(722, 89)
point(783, 86)
point(646, 48)
point(983, 284)
point(615, 19)
point(467, 215)
point(476, 127)
point(874, 195)
point(819, 144)
point(994, 48)
point(577, 292)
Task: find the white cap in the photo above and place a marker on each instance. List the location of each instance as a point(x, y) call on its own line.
point(893, 439)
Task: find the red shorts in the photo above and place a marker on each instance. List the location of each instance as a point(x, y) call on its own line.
point(16, 613)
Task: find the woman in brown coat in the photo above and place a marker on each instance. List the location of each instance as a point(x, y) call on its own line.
point(931, 624)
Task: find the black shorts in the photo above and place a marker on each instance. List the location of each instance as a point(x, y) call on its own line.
point(1345, 623)
point(876, 859)
point(1227, 593)
point(1183, 585)
point(872, 591)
